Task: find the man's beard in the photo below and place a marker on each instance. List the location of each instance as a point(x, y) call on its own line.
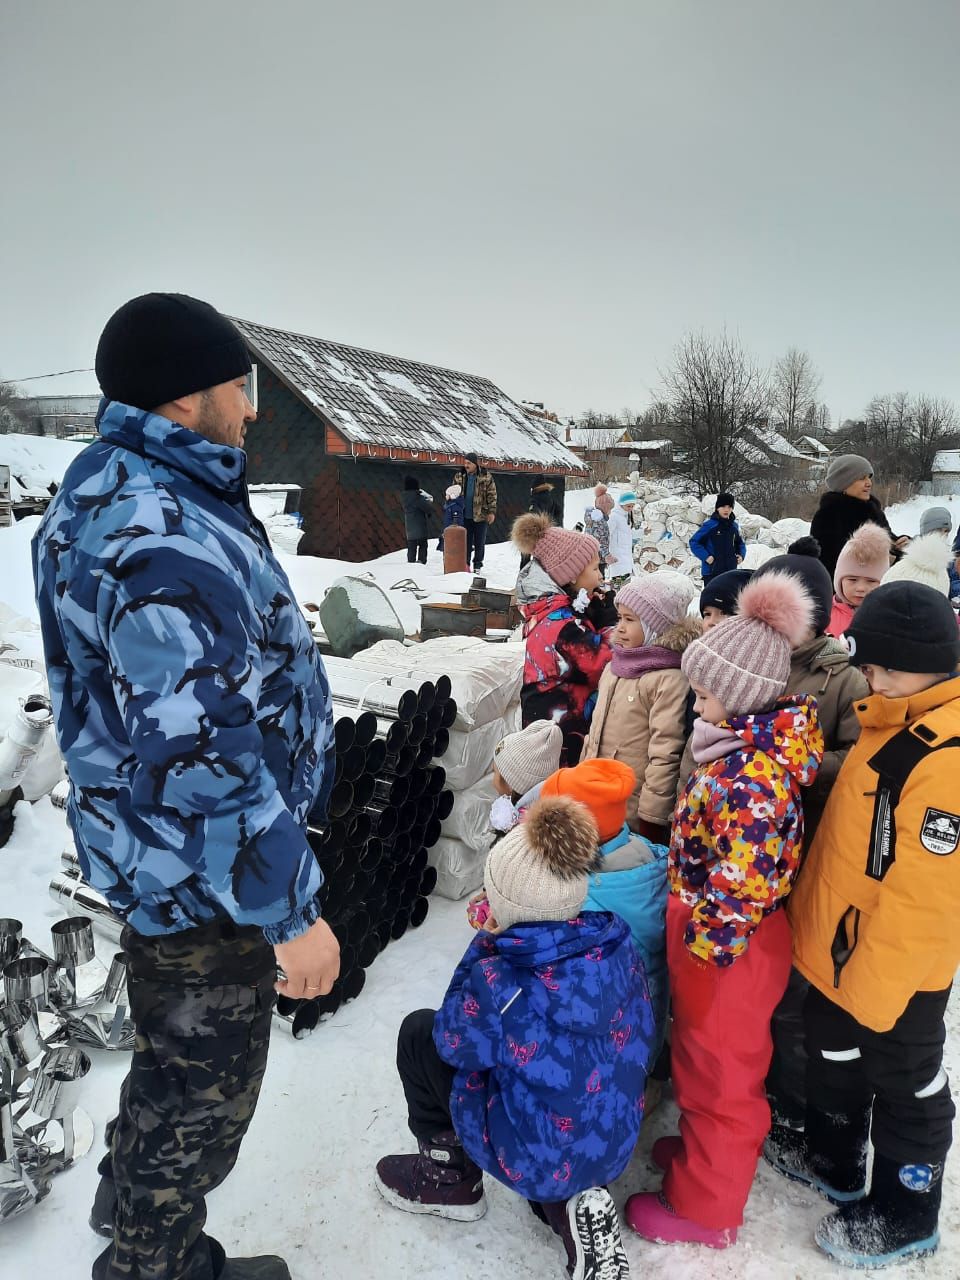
point(213, 424)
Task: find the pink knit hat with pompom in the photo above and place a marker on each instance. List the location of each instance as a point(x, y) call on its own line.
point(564, 553)
point(745, 661)
point(865, 554)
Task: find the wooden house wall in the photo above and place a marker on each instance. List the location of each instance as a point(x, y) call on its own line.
point(352, 508)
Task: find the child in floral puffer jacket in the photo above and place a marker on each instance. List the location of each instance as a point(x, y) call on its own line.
point(734, 849)
point(566, 646)
point(533, 1069)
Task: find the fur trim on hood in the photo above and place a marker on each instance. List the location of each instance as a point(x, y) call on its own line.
point(682, 634)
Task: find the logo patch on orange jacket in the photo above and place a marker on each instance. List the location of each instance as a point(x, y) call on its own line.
point(940, 831)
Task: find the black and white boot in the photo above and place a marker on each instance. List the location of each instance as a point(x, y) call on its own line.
point(897, 1221)
point(593, 1232)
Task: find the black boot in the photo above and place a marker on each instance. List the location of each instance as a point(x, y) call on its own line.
point(105, 1201)
point(895, 1222)
point(830, 1155)
point(440, 1179)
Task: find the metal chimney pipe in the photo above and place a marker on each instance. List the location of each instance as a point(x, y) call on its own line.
point(363, 790)
point(376, 756)
point(77, 898)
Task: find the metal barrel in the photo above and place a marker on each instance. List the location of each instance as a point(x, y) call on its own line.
point(341, 798)
point(418, 913)
point(376, 755)
point(444, 807)
point(402, 762)
point(393, 733)
point(383, 818)
point(76, 898)
point(363, 790)
point(417, 730)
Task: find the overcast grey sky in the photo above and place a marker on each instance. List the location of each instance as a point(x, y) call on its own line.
point(545, 192)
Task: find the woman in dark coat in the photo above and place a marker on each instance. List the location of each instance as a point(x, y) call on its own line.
point(417, 505)
point(847, 504)
point(543, 498)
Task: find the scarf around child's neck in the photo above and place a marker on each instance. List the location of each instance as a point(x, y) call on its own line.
point(630, 664)
point(712, 741)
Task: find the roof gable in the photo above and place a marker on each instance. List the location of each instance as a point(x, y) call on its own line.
point(376, 399)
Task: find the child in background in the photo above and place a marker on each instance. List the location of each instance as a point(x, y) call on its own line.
point(630, 878)
point(734, 849)
point(639, 713)
point(620, 565)
point(874, 920)
point(596, 522)
point(452, 510)
point(926, 559)
point(566, 648)
point(864, 560)
point(533, 1069)
point(717, 544)
point(521, 761)
point(718, 599)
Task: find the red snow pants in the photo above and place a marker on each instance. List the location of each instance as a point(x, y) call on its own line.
point(720, 1051)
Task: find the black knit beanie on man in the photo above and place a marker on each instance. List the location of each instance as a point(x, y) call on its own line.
point(164, 345)
point(723, 591)
point(905, 626)
point(812, 574)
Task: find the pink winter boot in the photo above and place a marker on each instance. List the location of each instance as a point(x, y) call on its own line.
point(652, 1217)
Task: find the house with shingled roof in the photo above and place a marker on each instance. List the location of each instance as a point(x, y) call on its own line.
point(347, 425)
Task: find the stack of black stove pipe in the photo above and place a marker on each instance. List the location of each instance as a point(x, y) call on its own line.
point(385, 811)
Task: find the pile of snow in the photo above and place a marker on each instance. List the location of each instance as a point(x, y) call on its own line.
point(36, 463)
point(904, 517)
point(667, 515)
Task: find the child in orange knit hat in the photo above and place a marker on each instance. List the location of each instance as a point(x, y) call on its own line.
point(631, 876)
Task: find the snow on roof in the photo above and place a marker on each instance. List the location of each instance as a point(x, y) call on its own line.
point(371, 398)
point(596, 437)
point(35, 462)
point(816, 445)
point(773, 441)
point(947, 460)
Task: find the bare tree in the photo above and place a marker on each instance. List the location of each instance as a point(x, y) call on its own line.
point(715, 389)
point(794, 385)
point(935, 427)
point(13, 415)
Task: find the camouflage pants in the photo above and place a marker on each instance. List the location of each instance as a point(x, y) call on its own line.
point(202, 1002)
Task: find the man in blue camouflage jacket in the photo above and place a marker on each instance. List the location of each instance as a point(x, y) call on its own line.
point(194, 716)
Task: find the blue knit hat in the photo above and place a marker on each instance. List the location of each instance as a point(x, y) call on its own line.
point(627, 499)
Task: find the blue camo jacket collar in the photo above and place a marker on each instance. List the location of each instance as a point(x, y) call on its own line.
point(219, 466)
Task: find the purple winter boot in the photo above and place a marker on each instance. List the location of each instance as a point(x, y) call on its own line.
point(441, 1179)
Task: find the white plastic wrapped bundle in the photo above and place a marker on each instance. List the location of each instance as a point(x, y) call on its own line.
point(470, 819)
point(788, 530)
point(485, 678)
point(469, 756)
point(459, 868)
point(758, 554)
point(750, 525)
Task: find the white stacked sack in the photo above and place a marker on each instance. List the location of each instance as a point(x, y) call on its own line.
point(667, 516)
point(485, 681)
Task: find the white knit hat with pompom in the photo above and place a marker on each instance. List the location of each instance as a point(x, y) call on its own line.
point(745, 661)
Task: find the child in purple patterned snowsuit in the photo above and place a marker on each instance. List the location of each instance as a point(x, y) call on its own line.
point(534, 1068)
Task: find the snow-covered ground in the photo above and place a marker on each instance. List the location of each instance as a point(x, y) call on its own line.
point(332, 1105)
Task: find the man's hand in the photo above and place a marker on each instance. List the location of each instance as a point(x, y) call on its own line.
point(491, 518)
point(709, 559)
point(311, 963)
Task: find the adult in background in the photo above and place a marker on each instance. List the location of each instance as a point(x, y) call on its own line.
point(417, 505)
point(718, 544)
point(479, 506)
point(545, 500)
point(195, 719)
point(848, 503)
